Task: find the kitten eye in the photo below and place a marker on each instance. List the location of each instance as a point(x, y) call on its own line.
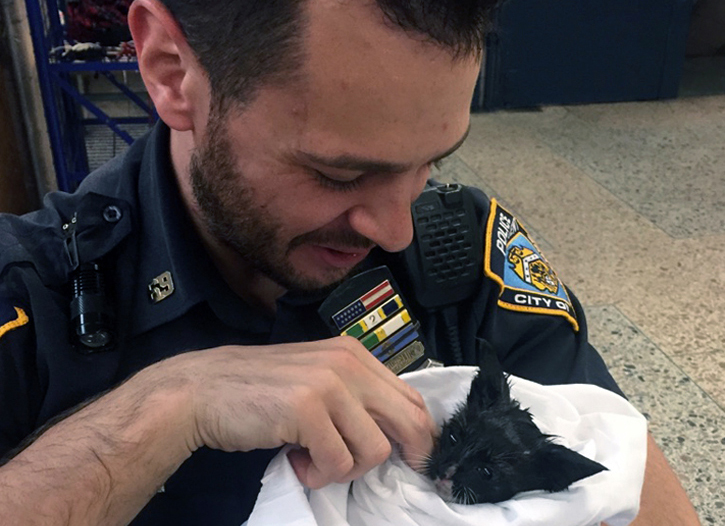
point(452, 437)
point(484, 472)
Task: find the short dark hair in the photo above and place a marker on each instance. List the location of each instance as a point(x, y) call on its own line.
point(244, 44)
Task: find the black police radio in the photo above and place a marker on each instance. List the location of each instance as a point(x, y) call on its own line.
point(446, 256)
point(445, 260)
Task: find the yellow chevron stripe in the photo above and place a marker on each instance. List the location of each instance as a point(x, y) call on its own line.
point(21, 320)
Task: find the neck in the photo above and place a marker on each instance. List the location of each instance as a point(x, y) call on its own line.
point(252, 286)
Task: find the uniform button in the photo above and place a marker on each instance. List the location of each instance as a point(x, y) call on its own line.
point(112, 214)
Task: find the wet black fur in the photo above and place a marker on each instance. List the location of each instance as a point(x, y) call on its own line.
point(497, 450)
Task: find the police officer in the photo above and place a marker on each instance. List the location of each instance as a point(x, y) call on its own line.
point(159, 334)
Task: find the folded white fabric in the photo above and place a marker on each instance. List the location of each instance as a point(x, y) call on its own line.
point(590, 420)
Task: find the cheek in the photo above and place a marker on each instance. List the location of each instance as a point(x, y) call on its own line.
point(299, 209)
point(292, 199)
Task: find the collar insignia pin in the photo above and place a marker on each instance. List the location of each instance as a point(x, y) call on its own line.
point(161, 287)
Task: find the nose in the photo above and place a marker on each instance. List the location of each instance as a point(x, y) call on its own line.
point(384, 215)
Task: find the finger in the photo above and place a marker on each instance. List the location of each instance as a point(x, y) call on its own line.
point(380, 371)
point(365, 443)
point(410, 426)
point(300, 460)
point(345, 355)
point(405, 418)
point(364, 439)
point(330, 458)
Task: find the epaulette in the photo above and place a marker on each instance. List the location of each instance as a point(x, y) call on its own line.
point(71, 228)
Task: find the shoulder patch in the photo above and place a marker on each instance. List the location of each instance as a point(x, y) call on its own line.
point(527, 281)
point(11, 318)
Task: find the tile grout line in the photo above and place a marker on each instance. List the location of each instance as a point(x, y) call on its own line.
point(667, 357)
point(586, 173)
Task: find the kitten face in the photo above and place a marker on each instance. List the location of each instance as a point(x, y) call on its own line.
point(491, 450)
point(486, 457)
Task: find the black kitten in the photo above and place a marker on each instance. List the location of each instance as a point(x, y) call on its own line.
point(491, 450)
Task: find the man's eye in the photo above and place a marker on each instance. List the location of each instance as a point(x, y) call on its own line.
point(334, 184)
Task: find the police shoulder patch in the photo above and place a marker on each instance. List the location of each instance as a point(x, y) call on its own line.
point(11, 317)
point(526, 280)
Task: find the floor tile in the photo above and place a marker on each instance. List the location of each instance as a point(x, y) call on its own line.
point(685, 421)
point(707, 370)
point(672, 174)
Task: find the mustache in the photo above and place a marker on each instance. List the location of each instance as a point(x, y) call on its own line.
point(341, 238)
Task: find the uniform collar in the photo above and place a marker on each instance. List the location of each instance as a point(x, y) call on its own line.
point(168, 243)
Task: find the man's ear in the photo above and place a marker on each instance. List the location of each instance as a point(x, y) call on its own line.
point(172, 74)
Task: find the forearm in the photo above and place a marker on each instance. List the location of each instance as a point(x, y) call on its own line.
point(664, 501)
point(103, 463)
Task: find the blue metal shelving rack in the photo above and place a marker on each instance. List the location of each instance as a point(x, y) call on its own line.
point(63, 102)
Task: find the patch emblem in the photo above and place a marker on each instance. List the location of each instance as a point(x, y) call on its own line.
point(527, 281)
point(11, 318)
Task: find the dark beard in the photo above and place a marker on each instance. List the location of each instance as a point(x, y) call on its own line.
point(231, 214)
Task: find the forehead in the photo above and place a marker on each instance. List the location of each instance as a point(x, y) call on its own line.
point(371, 89)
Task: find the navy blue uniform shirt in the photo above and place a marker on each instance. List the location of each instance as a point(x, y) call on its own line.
point(42, 374)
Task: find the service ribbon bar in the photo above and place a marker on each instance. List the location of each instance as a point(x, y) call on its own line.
point(388, 328)
point(360, 306)
point(375, 318)
point(395, 343)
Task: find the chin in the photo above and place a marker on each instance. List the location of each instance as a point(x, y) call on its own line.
point(317, 274)
point(321, 281)
point(316, 279)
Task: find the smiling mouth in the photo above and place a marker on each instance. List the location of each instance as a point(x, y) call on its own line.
point(342, 259)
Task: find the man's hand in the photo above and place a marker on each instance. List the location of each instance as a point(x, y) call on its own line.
point(103, 463)
point(332, 398)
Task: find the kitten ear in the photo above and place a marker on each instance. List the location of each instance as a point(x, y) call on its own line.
point(559, 467)
point(490, 384)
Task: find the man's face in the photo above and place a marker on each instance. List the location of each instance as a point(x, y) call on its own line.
point(308, 178)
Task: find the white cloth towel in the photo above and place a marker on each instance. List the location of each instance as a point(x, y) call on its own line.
point(590, 420)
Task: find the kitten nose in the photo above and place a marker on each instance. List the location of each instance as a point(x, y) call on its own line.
point(450, 472)
point(444, 488)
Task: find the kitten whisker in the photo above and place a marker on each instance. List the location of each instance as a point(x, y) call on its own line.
point(472, 495)
point(420, 461)
point(420, 457)
point(413, 448)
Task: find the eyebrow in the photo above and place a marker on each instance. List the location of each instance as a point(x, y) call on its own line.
point(365, 165)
